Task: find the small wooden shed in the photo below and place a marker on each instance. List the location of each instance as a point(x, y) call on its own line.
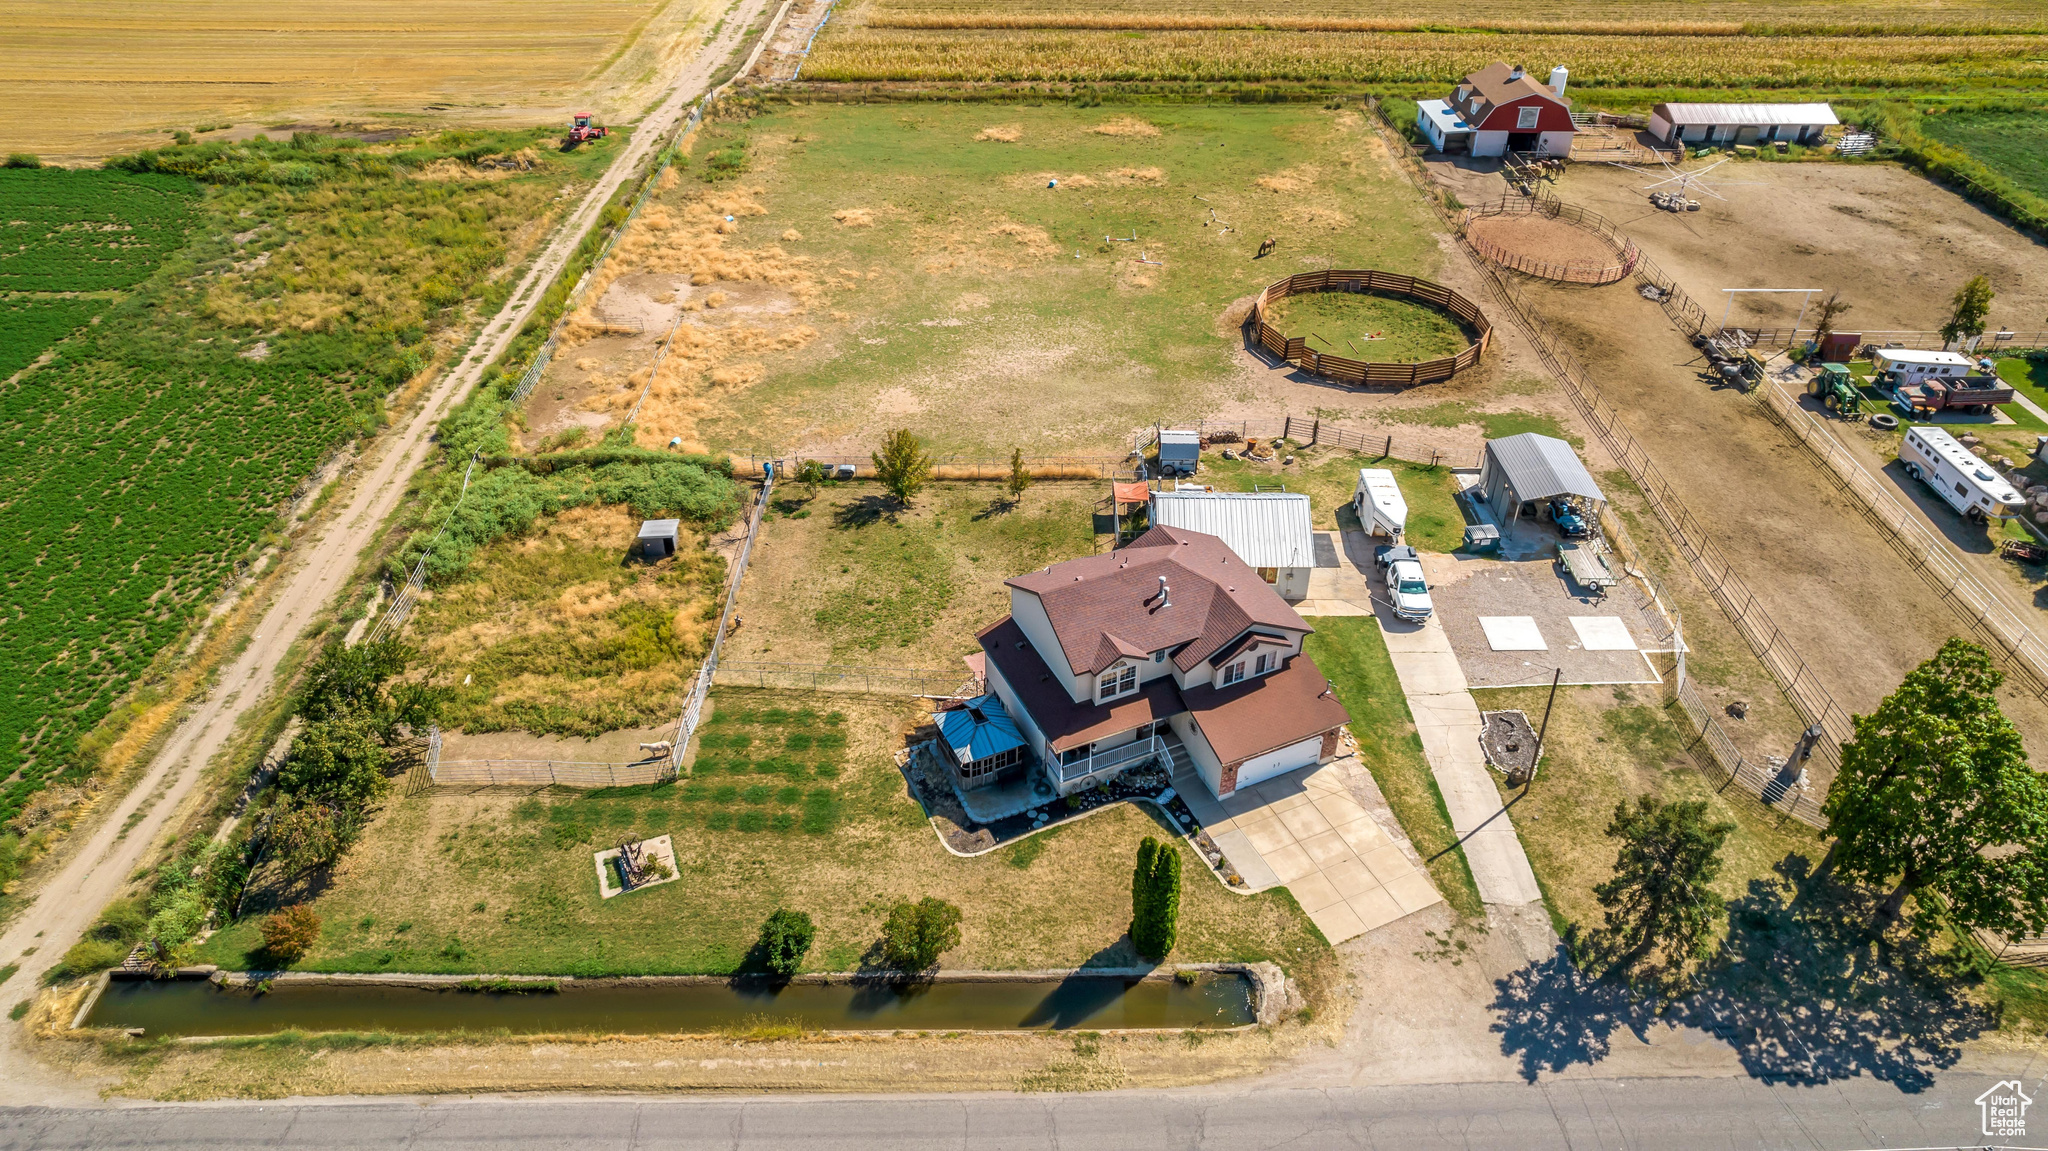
point(658, 538)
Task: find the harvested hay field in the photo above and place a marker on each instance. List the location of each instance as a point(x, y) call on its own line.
point(124, 73)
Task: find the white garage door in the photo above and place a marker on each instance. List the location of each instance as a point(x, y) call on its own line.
point(1264, 767)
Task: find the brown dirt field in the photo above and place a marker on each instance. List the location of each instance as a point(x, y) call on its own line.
point(1850, 606)
point(1895, 245)
point(1542, 238)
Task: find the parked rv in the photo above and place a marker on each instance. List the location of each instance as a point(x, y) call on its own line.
point(1381, 510)
point(1970, 486)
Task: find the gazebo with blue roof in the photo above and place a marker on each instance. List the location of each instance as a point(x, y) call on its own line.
point(984, 740)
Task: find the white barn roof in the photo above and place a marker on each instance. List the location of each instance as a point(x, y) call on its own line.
point(1265, 529)
point(1685, 115)
point(1539, 467)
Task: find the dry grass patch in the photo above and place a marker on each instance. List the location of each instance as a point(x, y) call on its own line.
point(855, 217)
point(561, 632)
point(1289, 181)
point(1146, 175)
point(1001, 133)
point(1126, 126)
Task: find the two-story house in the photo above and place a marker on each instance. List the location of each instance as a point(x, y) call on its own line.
point(1101, 658)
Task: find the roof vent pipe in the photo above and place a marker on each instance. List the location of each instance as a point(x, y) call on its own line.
point(1515, 73)
point(1558, 76)
point(1165, 593)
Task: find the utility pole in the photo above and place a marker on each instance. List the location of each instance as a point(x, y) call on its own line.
point(1556, 675)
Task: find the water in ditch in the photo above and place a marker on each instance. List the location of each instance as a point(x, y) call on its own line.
point(197, 1007)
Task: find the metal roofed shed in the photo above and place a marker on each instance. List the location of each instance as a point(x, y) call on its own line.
point(1741, 123)
point(658, 538)
point(983, 739)
point(1180, 453)
point(1270, 531)
point(1519, 472)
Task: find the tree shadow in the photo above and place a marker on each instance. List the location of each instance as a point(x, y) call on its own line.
point(1001, 505)
point(1807, 990)
point(862, 511)
point(1553, 1015)
point(1081, 996)
point(1804, 988)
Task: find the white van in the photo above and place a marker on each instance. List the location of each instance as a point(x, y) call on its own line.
point(1970, 486)
point(1381, 510)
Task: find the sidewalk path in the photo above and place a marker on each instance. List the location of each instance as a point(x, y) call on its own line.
point(1446, 717)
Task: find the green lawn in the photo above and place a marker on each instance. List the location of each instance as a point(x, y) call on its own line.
point(1330, 476)
point(962, 296)
point(794, 802)
point(1377, 329)
point(1353, 655)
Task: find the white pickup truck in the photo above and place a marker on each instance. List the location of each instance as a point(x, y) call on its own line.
point(1406, 589)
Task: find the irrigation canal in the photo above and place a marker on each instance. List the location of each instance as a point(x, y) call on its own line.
point(1098, 1002)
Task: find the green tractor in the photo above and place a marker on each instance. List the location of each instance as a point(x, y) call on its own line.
point(1835, 387)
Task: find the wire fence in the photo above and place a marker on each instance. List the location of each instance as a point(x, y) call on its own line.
point(841, 677)
point(1309, 431)
point(1802, 686)
point(1989, 344)
point(402, 603)
point(946, 467)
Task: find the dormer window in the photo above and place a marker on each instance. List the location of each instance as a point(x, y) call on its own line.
point(1233, 672)
point(1264, 663)
point(1116, 682)
point(1526, 117)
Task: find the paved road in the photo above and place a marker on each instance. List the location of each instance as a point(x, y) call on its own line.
point(71, 898)
point(1577, 1114)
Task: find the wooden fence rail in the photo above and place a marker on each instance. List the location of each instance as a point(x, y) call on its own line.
point(1342, 369)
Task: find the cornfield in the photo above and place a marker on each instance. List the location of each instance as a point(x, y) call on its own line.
point(1942, 63)
point(1648, 17)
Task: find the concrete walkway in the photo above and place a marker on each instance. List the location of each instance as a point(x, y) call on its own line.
point(1446, 717)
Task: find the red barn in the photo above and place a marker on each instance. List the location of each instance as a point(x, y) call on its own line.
point(1498, 110)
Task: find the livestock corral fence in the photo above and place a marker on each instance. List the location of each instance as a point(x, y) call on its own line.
point(1310, 431)
point(1714, 750)
point(1623, 249)
point(1989, 344)
point(943, 467)
point(1344, 370)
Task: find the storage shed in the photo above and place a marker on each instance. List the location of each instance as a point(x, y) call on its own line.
point(1180, 453)
point(1269, 531)
point(1520, 471)
point(658, 538)
point(983, 740)
point(1741, 123)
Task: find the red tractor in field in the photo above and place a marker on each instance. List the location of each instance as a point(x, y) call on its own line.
point(583, 130)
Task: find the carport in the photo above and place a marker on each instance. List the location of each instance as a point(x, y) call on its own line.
point(1518, 473)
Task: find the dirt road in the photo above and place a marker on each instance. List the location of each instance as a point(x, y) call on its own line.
point(72, 897)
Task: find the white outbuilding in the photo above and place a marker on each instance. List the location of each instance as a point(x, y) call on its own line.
point(1718, 124)
point(1269, 531)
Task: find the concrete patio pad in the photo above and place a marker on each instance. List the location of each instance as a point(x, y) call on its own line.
point(1304, 830)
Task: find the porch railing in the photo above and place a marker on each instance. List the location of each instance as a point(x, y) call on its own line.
point(1115, 759)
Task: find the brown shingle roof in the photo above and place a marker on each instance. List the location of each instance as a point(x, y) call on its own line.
point(1107, 606)
point(1492, 88)
point(1265, 713)
point(1064, 723)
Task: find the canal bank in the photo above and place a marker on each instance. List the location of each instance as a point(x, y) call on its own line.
point(198, 1002)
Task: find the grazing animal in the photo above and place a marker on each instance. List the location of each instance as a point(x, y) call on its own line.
point(1266, 248)
point(658, 748)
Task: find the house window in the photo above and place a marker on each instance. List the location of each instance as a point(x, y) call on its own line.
point(1264, 664)
point(1525, 118)
point(1233, 673)
point(1116, 682)
point(992, 764)
point(1270, 575)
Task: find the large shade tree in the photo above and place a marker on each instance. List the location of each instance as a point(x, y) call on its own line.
point(1661, 896)
point(1935, 795)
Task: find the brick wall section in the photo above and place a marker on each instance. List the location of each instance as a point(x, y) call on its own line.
point(1329, 751)
point(1228, 780)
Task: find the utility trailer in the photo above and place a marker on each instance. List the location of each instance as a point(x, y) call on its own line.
point(1381, 510)
point(1965, 482)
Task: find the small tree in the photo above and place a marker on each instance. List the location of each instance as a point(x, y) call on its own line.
point(306, 835)
point(1831, 309)
point(1972, 303)
point(289, 934)
point(916, 934)
point(22, 160)
point(1659, 896)
point(785, 940)
point(903, 466)
point(1155, 899)
point(1935, 793)
point(1020, 476)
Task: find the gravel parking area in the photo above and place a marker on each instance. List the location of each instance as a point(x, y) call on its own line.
point(1532, 599)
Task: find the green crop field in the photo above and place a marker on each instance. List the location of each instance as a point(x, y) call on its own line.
point(270, 296)
point(2013, 143)
point(64, 231)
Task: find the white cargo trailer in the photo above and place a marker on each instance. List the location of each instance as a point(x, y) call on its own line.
point(1381, 510)
point(1970, 486)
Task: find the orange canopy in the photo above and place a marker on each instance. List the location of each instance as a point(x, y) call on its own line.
point(1131, 492)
